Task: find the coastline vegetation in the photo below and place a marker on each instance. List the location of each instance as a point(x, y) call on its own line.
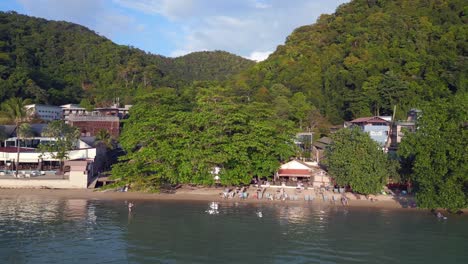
point(437, 154)
point(354, 159)
point(182, 138)
point(211, 110)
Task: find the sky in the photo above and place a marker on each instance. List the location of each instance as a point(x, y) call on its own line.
point(249, 28)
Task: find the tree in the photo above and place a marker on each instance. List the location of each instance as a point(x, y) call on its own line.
point(356, 160)
point(86, 104)
point(103, 137)
point(300, 108)
point(358, 61)
point(437, 153)
point(25, 131)
point(3, 134)
point(14, 110)
point(166, 142)
point(65, 138)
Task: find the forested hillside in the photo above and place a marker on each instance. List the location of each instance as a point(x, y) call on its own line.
point(58, 62)
point(370, 56)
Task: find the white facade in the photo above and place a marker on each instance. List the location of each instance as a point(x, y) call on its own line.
point(45, 112)
point(34, 157)
point(35, 141)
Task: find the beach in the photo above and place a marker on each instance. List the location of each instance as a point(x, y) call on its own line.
point(211, 194)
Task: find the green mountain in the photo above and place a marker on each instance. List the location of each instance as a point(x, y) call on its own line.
point(369, 56)
point(58, 62)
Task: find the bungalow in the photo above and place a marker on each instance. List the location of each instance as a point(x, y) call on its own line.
point(296, 170)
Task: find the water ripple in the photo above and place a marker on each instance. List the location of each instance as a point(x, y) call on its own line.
point(92, 231)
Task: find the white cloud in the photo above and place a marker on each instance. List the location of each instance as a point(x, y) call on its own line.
point(172, 9)
point(261, 5)
point(250, 28)
point(94, 14)
point(259, 55)
point(245, 27)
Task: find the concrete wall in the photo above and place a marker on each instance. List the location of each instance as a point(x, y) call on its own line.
point(77, 178)
point(76, 181)
point(320, 180)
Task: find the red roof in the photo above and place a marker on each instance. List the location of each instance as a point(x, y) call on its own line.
point(14, 149)
point(372, 119)
point(294, 173)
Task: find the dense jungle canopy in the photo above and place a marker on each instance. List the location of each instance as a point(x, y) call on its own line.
point(371, 55)
point(59, 62)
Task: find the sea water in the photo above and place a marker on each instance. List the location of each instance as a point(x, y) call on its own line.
point(94, 231)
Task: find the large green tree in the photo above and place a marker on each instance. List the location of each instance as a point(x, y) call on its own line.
point(438, 154)
point(166, 141)
point(356, 160)
point(65, 138)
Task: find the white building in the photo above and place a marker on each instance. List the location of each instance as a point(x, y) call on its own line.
point(76, 110)
point(45, 112)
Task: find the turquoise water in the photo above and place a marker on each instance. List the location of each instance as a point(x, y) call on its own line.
point(92, 231)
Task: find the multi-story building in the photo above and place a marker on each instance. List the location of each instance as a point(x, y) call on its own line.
point(74, 109)
point(44, 112)
point(378, 127)
point(90, 125)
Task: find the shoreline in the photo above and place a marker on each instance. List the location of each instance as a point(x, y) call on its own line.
point(198, 194)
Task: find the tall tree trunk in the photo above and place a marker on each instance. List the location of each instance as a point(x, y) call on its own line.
point(17, 148)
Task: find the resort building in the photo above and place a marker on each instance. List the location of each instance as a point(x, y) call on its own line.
point(74, 109)
point(37, 170)
point(9, 132)
point(44, 112)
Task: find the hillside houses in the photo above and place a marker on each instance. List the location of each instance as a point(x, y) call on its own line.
point(383, 130)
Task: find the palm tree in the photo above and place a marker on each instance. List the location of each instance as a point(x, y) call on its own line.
point(103, 137)
point(65, 139)
point(14, 111)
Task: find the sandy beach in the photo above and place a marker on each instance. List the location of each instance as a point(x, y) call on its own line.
point(187, 193)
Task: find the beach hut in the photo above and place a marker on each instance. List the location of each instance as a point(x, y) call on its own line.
point(297, 170)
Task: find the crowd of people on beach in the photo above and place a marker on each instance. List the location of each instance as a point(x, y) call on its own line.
point(281, 194)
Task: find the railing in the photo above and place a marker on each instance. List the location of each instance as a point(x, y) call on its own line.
point(77, 118)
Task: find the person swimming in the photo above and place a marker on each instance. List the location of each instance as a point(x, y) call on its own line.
point(441, 216)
